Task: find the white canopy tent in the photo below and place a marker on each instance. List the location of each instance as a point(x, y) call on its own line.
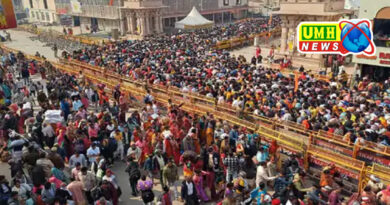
point(194, 20)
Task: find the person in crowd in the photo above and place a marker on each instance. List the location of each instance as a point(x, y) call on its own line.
point(214, 152)
point(110, 177)
point(76, 190)
point(384, 195)
point(188, 192)
point(102, 201)
point(262, 174)
point(145, 187)
point(48, 193)
point(159, 162)
point(134, 174)
point(46, 164)
point(368, 196)
point(231, 162)
point(375, 184)
point(199, 185)
point(93, 152)
point(166, 196)
point(63, 196)
point(171, 176)
point(260, 194)
point(88, 179)
point(13, 200)
point(22, 189)
point(298, 185)
point(335, 197)
point(77, 158)
point(5, 190)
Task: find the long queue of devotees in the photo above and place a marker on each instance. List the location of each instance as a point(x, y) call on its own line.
point(63, 136)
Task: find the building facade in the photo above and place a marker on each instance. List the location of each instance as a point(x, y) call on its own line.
point(144, 17)
point(219, 11)
point(263, 7)
point(40, 11)
point(19, 9)
point(292, 12)
point(376, 67)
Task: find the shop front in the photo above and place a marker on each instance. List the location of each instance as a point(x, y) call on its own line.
point(376, 68)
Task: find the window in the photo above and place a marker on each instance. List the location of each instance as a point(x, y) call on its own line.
point(37, 15)
point(226, 2)
point(31, 4)
point(45, 3)
point(43, 16)
point(47, 16)
point(238, 2)
point(32, 14)
point(381, 32)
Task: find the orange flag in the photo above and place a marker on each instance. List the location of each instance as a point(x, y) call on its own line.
point(296, 82)
point(270, 20)
point(111, 2)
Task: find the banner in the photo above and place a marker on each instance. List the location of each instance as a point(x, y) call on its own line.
point(62, 11)
point(76, 7)
point(7, 15)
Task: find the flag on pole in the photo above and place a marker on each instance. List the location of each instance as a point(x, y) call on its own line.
point(296, 78)
point(111, 2)
point(270, 19)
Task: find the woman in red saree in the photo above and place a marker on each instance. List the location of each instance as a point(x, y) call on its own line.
point(145, 148)
point(186, 125)
point(173, 127)
point(136, 134)
point(176, 150)
point(168, 148)
point(31, 69)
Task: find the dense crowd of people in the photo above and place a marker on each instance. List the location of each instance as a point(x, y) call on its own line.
point(190, 62)
point(69, 160)
point(62, 138)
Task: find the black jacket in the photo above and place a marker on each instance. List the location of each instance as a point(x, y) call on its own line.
point(156, 165)
point(216, 160)
point(184, 191)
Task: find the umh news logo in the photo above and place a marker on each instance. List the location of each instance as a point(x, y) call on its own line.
point(343, 37)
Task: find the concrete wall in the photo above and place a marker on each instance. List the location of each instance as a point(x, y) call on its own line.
point(302, 7)
point(107, 25)
point(368, 9)
point(104, 24)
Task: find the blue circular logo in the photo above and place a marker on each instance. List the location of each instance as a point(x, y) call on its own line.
point(356, 41)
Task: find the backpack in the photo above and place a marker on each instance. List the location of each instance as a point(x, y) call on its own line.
point(135, 173)
point(147, 196)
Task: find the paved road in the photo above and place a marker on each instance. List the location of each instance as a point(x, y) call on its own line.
point(21, 41)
